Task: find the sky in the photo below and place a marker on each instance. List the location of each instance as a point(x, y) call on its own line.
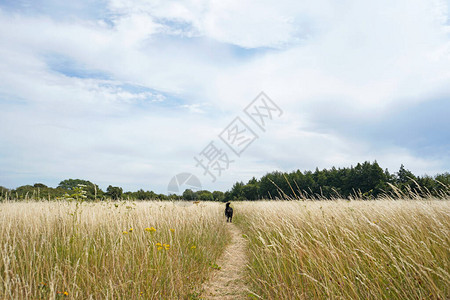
point(130, 93)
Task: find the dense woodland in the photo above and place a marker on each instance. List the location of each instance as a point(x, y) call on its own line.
point(364, 181)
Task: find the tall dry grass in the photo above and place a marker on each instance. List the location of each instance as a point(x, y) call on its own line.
point(51, 250)
point(347, 249)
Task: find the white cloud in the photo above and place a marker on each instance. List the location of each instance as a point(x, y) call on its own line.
point(249, 24)
point(201, 63)
point(372, 57)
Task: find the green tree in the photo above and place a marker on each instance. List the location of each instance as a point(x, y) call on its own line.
point(114, 192)
point(40, 185)
point(189, 195)
point(3, 193)
point(404, 176)
point(405, 180)
point(443, 179)
point(250, 191)
point(205, 195)
point(236, 191)
point(162, 197)
point(218, 196)
point(92, 190)
point(267, 188)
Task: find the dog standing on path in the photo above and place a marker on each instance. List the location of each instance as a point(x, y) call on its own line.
point(229, 212)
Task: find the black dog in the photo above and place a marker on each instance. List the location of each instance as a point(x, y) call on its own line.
point(229, 212)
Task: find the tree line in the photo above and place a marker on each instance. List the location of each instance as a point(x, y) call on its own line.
point(364, 181)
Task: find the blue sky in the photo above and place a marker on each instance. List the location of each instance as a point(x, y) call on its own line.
point(128, 92)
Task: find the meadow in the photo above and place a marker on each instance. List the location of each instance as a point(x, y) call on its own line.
point(382, 249)
point(107, 250)
point(379, 249)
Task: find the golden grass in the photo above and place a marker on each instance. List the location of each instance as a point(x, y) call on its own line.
point(348, 249)
point(53, 250)
point(381, 249)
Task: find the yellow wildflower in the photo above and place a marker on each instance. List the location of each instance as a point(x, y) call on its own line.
point(173, 230)
point(194, 247)
point(125, 232)
point(158, 244)
point(160, 248)
point(131, 229)
point(66, 294)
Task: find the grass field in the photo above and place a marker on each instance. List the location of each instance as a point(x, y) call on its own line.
point(348, 249)
point(157, 250)
point(150, 250)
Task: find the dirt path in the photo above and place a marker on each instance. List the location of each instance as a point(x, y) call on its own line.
point(228, 283)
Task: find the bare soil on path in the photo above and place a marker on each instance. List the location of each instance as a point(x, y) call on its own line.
point(228, 282)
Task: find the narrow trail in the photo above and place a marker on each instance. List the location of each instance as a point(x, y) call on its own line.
point(228, 282)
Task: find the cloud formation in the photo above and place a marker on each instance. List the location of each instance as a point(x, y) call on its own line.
point(128, 92)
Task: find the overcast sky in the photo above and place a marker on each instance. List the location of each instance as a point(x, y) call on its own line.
point(128, 92)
